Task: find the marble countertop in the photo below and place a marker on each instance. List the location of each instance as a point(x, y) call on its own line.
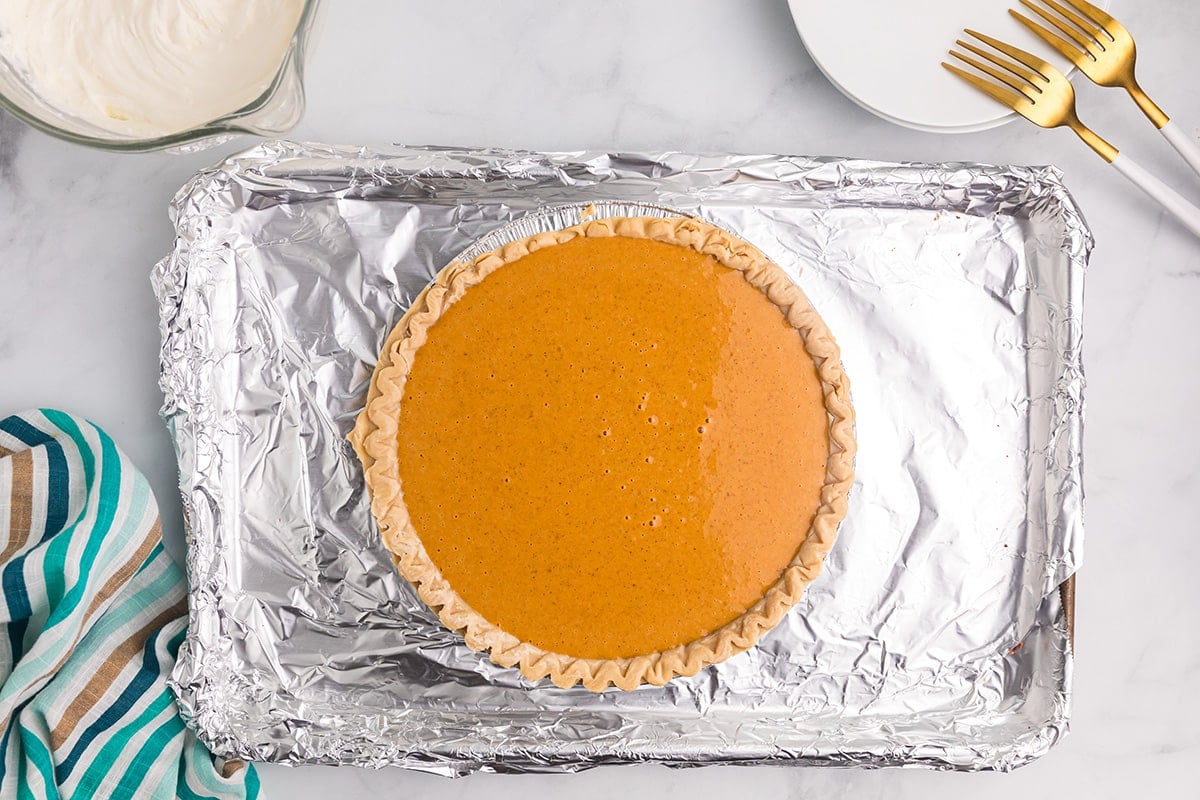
point(80, 230)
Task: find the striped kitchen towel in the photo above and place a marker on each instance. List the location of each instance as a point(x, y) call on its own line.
point(94, 611)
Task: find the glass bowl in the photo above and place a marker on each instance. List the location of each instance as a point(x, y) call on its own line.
point(274, 112)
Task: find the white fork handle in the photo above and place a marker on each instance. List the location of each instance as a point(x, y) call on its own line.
point(1171, 200)
point(1184, 145)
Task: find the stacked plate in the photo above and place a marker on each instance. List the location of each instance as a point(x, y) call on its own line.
point(887, 56)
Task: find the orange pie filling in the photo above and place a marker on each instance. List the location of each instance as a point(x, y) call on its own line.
point(612, 447)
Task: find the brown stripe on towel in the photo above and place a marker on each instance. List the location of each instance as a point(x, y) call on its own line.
point(125, 653)
point(122, 576)
point(20, 518)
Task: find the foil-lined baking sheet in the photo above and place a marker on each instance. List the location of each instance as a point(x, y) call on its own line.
point(936, 634)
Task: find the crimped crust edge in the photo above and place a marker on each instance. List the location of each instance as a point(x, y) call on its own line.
point(375, 431)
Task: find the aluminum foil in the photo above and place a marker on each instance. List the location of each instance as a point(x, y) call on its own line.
point(936, 634)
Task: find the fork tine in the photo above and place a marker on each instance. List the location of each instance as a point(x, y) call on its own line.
point(1006, 78)
point(1041, 68)
point(1082, 43)
point(1009, 98)
point(1088, 26)
point(1035, 79)
point(1060, 44)
point(1098, 17)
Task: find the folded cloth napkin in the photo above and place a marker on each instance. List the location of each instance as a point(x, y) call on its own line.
point(94, 611)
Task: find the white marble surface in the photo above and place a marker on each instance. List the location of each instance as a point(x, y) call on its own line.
point(80, 230)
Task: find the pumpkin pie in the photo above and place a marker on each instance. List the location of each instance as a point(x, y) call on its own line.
point(611, 454)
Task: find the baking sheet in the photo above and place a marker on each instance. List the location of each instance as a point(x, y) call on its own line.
point(936, 634)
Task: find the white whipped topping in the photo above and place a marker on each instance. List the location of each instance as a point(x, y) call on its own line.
point(148, 67)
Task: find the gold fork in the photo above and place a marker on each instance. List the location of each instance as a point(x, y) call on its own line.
point(1037, 91)
point(1104, 51)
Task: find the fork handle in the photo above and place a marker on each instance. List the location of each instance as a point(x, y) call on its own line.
point(1171, 200)
point(1184, 145)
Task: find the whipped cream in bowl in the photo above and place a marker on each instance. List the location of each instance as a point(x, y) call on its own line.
point(143, 74)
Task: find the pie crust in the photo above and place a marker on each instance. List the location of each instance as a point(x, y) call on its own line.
point(375, 434)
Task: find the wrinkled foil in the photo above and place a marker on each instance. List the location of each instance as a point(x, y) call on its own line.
point(936, 634)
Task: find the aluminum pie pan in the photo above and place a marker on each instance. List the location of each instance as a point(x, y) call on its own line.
point(371, 438)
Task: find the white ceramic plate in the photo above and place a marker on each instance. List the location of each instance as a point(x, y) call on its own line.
point(886, 56)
